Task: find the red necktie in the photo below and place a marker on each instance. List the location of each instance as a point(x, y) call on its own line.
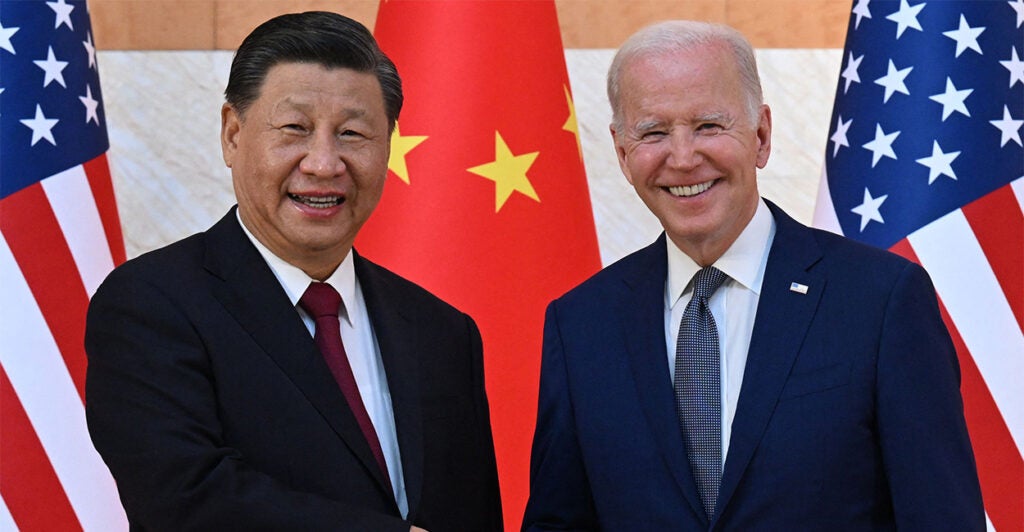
point(322, 302)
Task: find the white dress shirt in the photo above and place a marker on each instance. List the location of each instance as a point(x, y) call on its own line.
point(733, 305)
point(360, 347)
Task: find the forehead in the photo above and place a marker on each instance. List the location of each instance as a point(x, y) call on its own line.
point(314, 83)
point(700, 75)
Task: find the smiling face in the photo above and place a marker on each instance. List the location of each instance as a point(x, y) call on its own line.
point(689, 146)
point(308, 160)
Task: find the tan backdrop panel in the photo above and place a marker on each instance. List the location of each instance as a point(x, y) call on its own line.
point(791, 23)
point(153, 24)
point(607, 23)
point(221, 24)
point(236, 18)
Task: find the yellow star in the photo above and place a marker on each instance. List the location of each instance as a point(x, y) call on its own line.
point(400, 147)
point(508, 172)
point(571, 125)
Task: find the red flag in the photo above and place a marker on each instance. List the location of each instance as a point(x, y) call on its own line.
point(59, 237)
point(486, 204)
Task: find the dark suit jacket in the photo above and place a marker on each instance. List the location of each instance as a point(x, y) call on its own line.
point(849, 415)
point(209, 401)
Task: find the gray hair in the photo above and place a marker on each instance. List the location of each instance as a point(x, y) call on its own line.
point(679, 35)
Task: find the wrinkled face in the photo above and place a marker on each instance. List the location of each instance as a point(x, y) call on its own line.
point(689, 147)
point(308, 161)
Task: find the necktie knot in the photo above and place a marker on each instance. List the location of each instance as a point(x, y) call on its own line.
point(706, 282)
point(320, 300)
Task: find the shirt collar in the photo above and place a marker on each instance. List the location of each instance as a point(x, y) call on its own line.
point(744, 262)
point(295, 281)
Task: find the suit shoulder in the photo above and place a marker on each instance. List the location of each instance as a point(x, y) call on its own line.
point(859, 258)
point(170, 264)
point(639, 266)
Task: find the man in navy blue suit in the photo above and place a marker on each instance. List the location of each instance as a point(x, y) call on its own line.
point(743, 372)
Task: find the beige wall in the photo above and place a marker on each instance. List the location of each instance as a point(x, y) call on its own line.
point(221, 24)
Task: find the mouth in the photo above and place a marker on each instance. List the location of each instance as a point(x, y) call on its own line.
point(690, 191)
point(318, 202)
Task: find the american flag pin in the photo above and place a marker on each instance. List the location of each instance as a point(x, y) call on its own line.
point(798, 288)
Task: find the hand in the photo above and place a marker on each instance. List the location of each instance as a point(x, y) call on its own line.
point(417, 529)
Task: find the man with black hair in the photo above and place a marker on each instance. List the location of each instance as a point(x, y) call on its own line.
point(263, 375)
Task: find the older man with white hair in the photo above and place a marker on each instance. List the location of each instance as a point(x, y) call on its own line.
point(743, 372)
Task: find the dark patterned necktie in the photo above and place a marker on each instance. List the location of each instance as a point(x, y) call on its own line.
point(322, 302)
point(698, 387)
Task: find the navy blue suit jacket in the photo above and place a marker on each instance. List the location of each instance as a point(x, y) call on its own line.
point(849, 414)
point(212, 406)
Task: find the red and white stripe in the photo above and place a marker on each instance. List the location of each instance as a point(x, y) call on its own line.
point(58, 240)
point(975, 257)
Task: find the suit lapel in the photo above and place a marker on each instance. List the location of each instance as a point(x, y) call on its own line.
point(780, 326)
point(642, 308)
point(396, 336)
point(251, 293)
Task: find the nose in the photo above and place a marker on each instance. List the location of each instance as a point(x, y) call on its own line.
point(323, 157)
point(684, 153)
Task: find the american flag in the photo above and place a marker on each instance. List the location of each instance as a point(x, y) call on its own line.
point(925, 158)
point(60, 237)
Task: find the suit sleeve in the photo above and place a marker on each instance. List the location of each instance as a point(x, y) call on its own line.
point(152, 414)
point(560, 497)
point(925, 446)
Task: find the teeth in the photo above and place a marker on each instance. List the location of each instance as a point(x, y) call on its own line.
point(692, 190)
point(318, 202)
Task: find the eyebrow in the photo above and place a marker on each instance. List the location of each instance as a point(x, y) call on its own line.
point(646, 125)
point(716, 117)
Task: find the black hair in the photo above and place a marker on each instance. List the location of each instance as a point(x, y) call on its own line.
point(318, 37)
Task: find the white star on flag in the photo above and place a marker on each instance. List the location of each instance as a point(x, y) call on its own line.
point(881, 145)
point(1018, 6)
point(54, 69)
point(906, 17)
point(850, 72)
point(90, 49)
point(1009, 127)
point(91, 105)
point(63, 12)
point(868, 210)
point(41, 127)
point(893, 81)
point(1015, 66)
point(952, 100)
point(839, 136)
point(5, 38)
point(965, 37)
point(939, 163)
point(862, 11)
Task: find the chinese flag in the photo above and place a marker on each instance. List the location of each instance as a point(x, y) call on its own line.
point(486, 202)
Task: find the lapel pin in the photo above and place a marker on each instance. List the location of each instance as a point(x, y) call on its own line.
point(798, 288)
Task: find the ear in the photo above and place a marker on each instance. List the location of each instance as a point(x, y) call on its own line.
point(764, 136)
point(620, 152)
point(230, 124)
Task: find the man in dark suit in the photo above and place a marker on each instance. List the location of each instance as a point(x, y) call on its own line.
point(221, 395)
point(744, 372)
